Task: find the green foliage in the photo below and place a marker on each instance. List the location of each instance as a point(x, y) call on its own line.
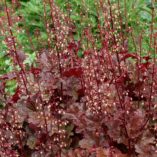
point(32, 22)
point(138, 17)
point(11, 86)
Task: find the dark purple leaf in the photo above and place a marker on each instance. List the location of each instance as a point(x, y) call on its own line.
point(75, 46)
point(76, 72)
point(35, 71)
point(21, 56)
point(128, 55)
point(16, 96)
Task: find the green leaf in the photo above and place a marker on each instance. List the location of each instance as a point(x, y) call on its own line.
point(80, 54)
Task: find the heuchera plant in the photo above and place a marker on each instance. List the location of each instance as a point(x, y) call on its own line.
point(102, 104)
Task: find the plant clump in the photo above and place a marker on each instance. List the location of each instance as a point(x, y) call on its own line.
point(90, 97)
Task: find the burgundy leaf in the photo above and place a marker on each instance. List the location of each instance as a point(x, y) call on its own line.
point(35, 71)
point(74, 46)
point(144, 66)
point(87, 52)
point(21, 56)
point(147, 58)
point(128, 55)
point(16, 96)
point(76, 72)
